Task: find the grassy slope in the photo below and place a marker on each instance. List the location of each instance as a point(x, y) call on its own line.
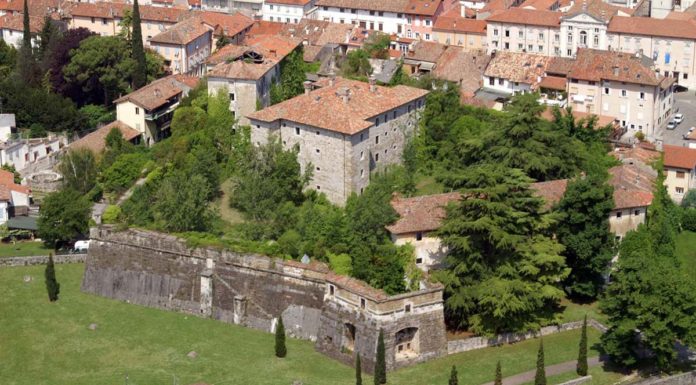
point(42, 343)
point(686, 252)
point(23, 249)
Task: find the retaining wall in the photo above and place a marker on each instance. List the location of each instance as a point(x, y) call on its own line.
point(688, 378)
point(42, 260)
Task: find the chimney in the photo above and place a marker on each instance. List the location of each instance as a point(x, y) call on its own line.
point(616, 71)
point(332, 79)
point(373, 84)
point(307, 86)
point(344, 93)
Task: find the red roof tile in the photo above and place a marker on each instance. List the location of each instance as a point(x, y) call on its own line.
point(423, 213)
point(110, 10)
point(648, 26)
point(551, 191)
point(7, 182)
point(96, 141)
point(679, 157)
point(182, 32)
point(456, 23)
point(553, 83)
point(598, 65)
point(232, 25)
point(15, 22)
point(462, 67)
point(159, 92)
point(527, 17)
point(633, 185)
point(229, 61)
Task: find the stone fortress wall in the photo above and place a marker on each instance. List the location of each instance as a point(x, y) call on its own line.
point(343, 316)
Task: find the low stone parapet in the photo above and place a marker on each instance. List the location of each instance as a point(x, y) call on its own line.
point(41, 260)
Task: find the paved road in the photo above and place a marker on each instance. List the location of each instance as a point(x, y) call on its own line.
point(686, 103)
point(552, 370)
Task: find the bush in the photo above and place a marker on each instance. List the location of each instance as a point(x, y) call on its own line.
point(689, 219)
point(125, 170)
point(111, 214)
point(340, 263)
point(290, 243)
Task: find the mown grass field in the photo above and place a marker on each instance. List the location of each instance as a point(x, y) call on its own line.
point(50, 343)
point(23, 249)
point(686, 252)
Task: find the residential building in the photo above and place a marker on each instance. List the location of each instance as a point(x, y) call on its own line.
point(419, 219)
point(462, 67)
point(247, 72)
point(422, 56)
point(250, 7)
point(96, 141)
point(670, 43)
point(680, 171)
point(585, 25)
point(232, 26)
point(37, 8)
point(509, 73)
point(26, 153)
point(525, 31)
point(185, 46)
point(344, 128)
point(15, 199)
point(633, 185)
point(621, 85)
point(286, 11)
point(104, 18)
point(149, 110)
point(8, 125)
point(406, 18)
point(12, 29)
point(451, 28)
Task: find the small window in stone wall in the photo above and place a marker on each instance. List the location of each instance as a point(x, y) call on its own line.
point(618, 214)
point(297, 131)
point(419, 236)
point(407, 308)
point(637, 212)
point(332, 290)
point(419, 261)
point(363, 303)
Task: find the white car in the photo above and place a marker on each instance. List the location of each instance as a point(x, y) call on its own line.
point(678, 118)
point(671, 125)
point(81, 246)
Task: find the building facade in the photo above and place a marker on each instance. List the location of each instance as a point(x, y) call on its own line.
point(286, 11)
point(680, 171)
point(345, 129)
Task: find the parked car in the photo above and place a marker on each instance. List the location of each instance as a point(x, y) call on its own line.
point(671, 125)
point(81, 246)
point(678, 118)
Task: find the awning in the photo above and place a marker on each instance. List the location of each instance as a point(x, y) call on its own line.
point(579, 98)
point(427, 66)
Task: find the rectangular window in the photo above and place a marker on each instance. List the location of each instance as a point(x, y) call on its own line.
point(636, 212)
point(332, 288)
point(362, 303)
point(642, 96)
point(317, 151)
point(137, 111)
point(606, 90)
point(362, 155)
point(618, 214)
point(377, 139)
point(520, 34)
point(680, 190)
point(419, 236)
point(376, 158)
point(297, 131)
point(419, 261)
point(681, 174)
point(232, 96)
point(623, 93)
point(407, 308)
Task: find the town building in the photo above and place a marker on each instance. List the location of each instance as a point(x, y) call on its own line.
point(462, 67)
point(231, 27)
point(27, 154)
point(250, 7)
point(524, 31)
point(680, 171)
point(96, 141)
point(451, 28)
point(247, 72)
point(15, 199)
point(421, 57)
point(8, 126)
point(510, 73)
point(286, 11)
point(12, 29)
point(149, 110)
point(185, 46)
point(621, 85)
point(419, 218)
point(344, 128)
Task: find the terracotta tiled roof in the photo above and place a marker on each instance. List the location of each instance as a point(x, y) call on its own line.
point(231, 64)
point(423, 213)
point(596, 65)
point(539, 5)
point(422, 7)
point(648, 26)
point(5, 194)
point(679, 157)
point(182, 32)
point(327, 108)
point(110, 10)
point(15, 22)
point(559, 66)
point(551, 191)
point(96, 141)
point(426, 51)
point(37, 8)
point(262, 27)
point(452, 21)
point(289, 2)
point(637, 153)
point(674, 15)
point(356, 286)
point(232, 25)
point(7, 181)
point(372, 5)
point(633, 185)
point(517, 67)
point(462, 67)
point(553, 83)
point(527, 17)
point(602, 120)
point(158, 93)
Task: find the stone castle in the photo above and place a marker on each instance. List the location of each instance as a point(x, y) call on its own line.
point(342, 315)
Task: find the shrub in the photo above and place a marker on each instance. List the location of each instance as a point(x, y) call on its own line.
point(290, 243)
point(123, 172)
point(111, 214)
point(340, 263)
point(689, 219)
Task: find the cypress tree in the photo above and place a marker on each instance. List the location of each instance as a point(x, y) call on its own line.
point(453, 376)
point(582, 355)
point(498, 374)
point(26, 38)
point(52, 285)
point(540, 377)
point(280, 349)
point(358, 370)
point(138, 52)
point(380, 363)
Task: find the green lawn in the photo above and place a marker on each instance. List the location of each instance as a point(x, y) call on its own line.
point(44, 343)
point(222, 204)
point(600, 376)
point(686, 252)
point(23, 249)
point(427, 185)
point(576, 312)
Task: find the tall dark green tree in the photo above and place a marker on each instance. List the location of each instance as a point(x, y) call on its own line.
point(63, 217)
point(453, 380)
point(540, 376)
point(138, 51)
point(380, 375)
point(52, 285)
point(582, 354)
point(280, 349)
point(504, 268)
point(498, 374)
point(26, 30)
point(358, 370)
point(583, 228)
point(26, 63)
point(292, 77)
